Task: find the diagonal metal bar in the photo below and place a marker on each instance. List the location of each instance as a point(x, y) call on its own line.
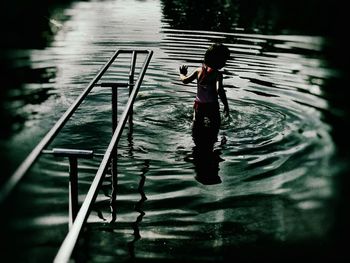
point(11, 183)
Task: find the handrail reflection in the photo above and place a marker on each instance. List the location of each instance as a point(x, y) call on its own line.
point(138, 208)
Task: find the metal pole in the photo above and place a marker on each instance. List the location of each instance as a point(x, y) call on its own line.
point(73, 189)
point(114, 108)
point(131, 83)
point(114, 171)
point(73, 155)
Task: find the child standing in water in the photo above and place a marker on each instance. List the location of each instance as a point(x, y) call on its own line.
point(209, 88)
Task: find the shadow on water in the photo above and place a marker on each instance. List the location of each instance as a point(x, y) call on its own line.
point(24, 27)
point(24, 86)
point(206, 161)
point(204, 157)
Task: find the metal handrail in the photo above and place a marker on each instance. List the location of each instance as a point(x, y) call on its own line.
point(11, 183)
point(69, 242)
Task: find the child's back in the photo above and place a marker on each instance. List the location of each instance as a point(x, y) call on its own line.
point(206, 85)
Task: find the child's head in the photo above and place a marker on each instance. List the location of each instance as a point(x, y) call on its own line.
point(216, 56)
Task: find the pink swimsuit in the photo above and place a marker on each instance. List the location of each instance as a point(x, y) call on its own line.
point(206, 104)
point(206, 86)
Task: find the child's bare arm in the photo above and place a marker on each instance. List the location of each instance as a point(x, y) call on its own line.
point(183, 75)
point(222, 95)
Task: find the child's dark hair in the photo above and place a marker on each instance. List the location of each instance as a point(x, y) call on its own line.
point(216, 56)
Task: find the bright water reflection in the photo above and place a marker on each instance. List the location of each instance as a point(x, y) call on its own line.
point(273, 156)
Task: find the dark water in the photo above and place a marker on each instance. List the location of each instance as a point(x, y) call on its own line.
point(273, 188)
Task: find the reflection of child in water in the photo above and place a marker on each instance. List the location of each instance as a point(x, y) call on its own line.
point(209, 87)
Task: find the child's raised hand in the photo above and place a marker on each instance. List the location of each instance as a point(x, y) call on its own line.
point(183, 69)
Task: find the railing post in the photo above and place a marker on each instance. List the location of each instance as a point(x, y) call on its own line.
point(73, 155)
point(131, 83)
point(73, 189)
point(114, 172)
point(114, 107)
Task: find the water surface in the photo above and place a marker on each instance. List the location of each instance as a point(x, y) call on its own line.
point(274, 164)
